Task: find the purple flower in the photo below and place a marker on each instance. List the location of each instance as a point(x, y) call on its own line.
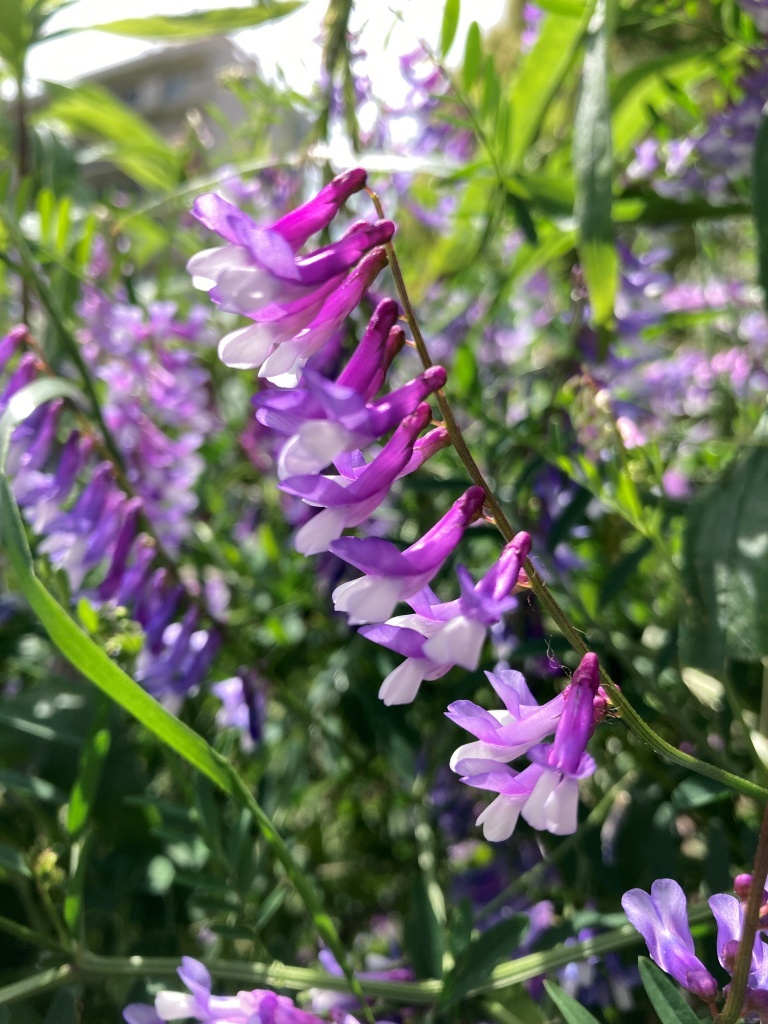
point(258, 1006)
point(296, 303)
point(662, 921)
point(346, 422)
point(391, 575)
point(729, 914)
point(503, 735)
point(336, 1003)
point(438, 636)
point(546, 793)
point(285, 410)
point(348, 501)
point(242, 707)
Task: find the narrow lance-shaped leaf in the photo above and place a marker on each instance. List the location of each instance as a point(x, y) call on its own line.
point(593, 166)
point(572, 1011)
point(199, 24)
point(725, 571)
point(449, 25)
point(540, 76)
point(473, 55)
point(665, 996)
point(760, 202)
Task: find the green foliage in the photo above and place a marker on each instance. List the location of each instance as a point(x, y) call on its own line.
point(475, 963)
point(593, 172)
point(200, 24)
point(665, 995)
point(449, 25)
point(91, 111)
point(726, 567)
point(572, 1011)
point(760, 204)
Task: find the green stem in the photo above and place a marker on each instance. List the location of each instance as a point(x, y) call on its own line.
point(24, 934)
point(43, 981)
point(733, 1004)
point(633, 720)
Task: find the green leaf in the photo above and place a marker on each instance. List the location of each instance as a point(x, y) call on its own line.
point(593, 170)
point(473, 55)
point(725, 572)
point(133, 144)
point(619, 575)
point(12, 863)
point(570, 8)
point(15, 35)
point(62, 1009)
point(696, 791)
point(89, 659)
point(84, 790)
point(491, 91)
point(474, 966)
point(29, 398)
point(760, 203)
point(449, 25)
point(31, 785)
point(424, 935)
point(540, 76)
point(200, 24)
point(572, 1011)
point(665, 995)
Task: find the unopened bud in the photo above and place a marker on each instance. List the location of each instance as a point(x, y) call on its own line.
point(741, 884)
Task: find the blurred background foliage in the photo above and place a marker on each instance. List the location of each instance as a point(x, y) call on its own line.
point(573, 195)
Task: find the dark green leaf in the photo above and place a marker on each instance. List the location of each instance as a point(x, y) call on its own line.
point(725, 571)
point(200, 24)
point(618, 576)
point(593, 170)
point(12, 862)
point(84, 790)
point(697, 791)
point(62, 1009)
point(474, 966)
point(665, 995)
point(473, 55)
point(573, 1012)
point(424, 938)
point(760, 203)
point(449, 25)
point(30, 785)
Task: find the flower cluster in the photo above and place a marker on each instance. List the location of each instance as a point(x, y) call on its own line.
point(157, 402)
point(546, 792)
point(660, 917)
point(75, 501)
point(297, 303)
point(258, 1006)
